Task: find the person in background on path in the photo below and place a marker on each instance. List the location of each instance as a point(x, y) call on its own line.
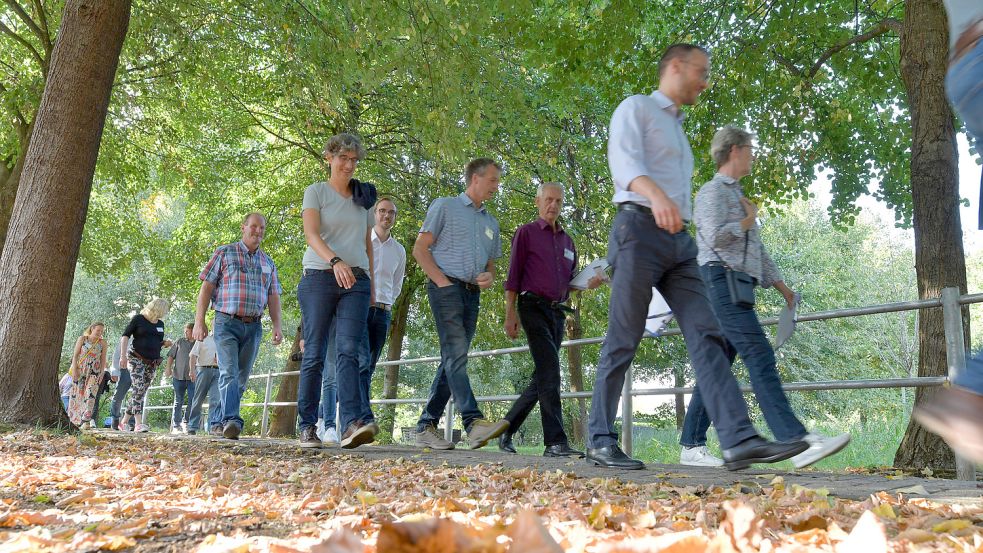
point(104, 381)
point(120, 374)
point(204, 373)
point(457, 247)
point(956, 413)
point(728, 238)
point(336, 289)
point(388, 269)
point(541, 266)
point(65, 388)
point(142, 356)
point(239, 281)
point(88, 364)
point(652, 167)
point(178, 369)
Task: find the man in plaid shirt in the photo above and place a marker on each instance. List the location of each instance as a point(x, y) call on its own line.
point(239, 281)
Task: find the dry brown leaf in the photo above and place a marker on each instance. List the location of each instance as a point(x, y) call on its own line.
point(866, 537)
point(530, 536)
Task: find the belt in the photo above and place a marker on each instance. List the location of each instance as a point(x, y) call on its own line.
point(469, 286)
point(207, 366)
point(357, 272)
point(248, 319)
point(383, 306)
point(632, 206)
point(559, 306)
point(967, 40)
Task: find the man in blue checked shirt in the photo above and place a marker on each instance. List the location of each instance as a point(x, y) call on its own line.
point(239, 281)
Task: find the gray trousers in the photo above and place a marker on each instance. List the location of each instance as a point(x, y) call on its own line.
point(644, 256)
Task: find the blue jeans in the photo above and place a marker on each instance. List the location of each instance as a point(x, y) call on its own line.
point(206, 383)
point(122, 386)
point(236, 346)
point(323, 302)
point(368, 355)
point(745, 337)
point(182, 388)
point(64, 401)
point(455, 312)
point(644, 256)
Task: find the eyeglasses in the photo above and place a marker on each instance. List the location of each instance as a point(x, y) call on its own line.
point(385, 212)
point(704, 69)
point(348, 159)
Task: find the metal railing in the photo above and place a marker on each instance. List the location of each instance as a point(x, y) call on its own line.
point(950, 301)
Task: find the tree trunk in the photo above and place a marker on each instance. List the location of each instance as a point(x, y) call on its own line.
point(390, 384)
point(575, 366)
point(9, 181)
point(939, 260)
point(680, 382)
point(284, 420)
point(45, 229)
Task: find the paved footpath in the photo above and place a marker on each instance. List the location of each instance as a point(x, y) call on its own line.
point(845, 485)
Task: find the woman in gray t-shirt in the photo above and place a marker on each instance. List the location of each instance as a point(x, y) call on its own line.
point(336, 286)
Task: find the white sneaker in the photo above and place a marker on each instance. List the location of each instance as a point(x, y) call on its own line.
point(699, 456)
point(176, 430)
point(319, 429)
point(329, 436)
point(820, 447)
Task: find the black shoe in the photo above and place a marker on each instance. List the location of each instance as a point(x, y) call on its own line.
point(231, 430)
point(562, 450)
point(505, 444)
point(759, 450)
point(192, 432)
point(612, 457)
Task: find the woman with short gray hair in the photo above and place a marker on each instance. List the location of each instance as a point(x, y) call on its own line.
point(731, 252)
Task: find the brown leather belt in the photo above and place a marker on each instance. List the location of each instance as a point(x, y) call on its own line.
point(248, 319)
point(966, 41)
point(380, 305)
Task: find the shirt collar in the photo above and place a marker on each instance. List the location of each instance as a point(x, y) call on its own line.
point(543, 225)
point(468, 201)
point(245, 249)
point(725, 179)
point(375, 237)
point(668, 105)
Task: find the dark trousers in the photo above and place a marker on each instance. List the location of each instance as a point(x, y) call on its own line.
point(543, 326)
point(455, 312)
point(743, 330)
point(323, 301)
point(122, 386)
point(644, 256)
point(377, 326)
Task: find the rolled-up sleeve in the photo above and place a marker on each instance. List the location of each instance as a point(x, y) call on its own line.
point(770, 273)
point(626, 143)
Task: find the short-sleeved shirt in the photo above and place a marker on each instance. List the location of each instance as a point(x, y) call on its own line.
point(205, 352)
point(243, 280)
point(179, 353)
point(647, 138)
point(343, 227)
point(465, 238)
point(146, 338)
point(542, 261)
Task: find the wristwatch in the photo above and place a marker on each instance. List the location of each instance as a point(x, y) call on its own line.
point(333, 261)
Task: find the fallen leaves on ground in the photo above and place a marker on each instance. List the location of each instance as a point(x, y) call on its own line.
point(61, 494)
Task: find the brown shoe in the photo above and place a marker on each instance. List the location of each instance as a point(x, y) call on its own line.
point(955, 414)
point(358, 433)
point(482, 432)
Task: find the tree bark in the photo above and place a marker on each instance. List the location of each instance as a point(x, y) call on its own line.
point(390, 384)
point(575, 366)
point(45, 231)
point(939, 258)
point(284, 420)
point(680, 399)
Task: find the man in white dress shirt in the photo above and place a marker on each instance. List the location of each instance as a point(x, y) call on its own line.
point(204, 373)
point(652, 167)
point(389, 267)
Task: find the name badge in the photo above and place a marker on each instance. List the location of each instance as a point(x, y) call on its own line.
point(568, 254)
point(489, 233)
point(267, 270)
point(160, 329)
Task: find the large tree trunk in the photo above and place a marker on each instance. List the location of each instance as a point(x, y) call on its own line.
point(9, 181)
point(575, 366)
point(45, 231)
point(939, 261)
point(390, 384)
point(284, 421)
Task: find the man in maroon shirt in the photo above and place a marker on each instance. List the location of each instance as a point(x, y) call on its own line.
point(542, 264)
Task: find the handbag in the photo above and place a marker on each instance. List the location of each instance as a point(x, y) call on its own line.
point(739, 284)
